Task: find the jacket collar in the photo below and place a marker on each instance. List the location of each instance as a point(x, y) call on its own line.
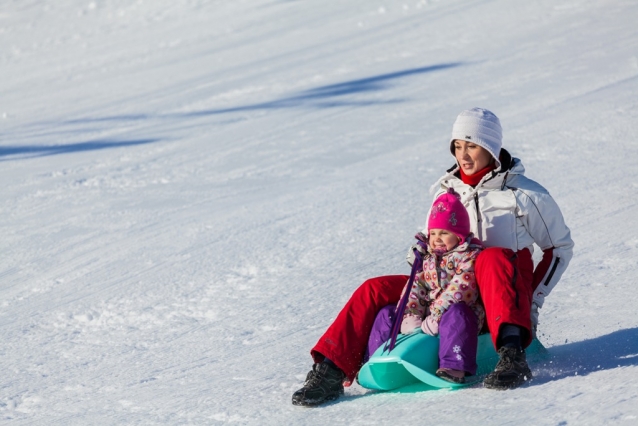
point(496, 180)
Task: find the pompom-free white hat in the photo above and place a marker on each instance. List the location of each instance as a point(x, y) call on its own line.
point(479, 126)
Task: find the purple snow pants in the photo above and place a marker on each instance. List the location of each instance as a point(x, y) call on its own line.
point(458, 336)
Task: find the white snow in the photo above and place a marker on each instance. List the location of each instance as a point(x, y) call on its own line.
point(191, 190)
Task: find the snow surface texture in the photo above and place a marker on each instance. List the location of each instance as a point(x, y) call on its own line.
point(191, 190)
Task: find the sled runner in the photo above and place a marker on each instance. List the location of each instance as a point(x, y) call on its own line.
point(415, 359)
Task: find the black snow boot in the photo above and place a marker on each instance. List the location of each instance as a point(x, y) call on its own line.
point(511, 370)
point(324, 383)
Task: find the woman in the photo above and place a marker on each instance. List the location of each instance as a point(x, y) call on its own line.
point(509, 213)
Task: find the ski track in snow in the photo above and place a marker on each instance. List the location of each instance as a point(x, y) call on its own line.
point(192, 189)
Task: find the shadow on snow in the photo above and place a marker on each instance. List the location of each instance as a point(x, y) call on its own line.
point(618, 349)
point(329, 96)
point(30, 151)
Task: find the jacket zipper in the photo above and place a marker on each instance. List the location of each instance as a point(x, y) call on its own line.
point(478, 217)
point(551, 273)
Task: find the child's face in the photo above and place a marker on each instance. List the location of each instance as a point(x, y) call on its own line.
point(442, 239)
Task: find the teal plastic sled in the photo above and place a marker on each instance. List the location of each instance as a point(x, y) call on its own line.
point(413, 362)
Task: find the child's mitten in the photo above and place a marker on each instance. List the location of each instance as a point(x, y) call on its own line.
point(410, 324)
point(430, 326)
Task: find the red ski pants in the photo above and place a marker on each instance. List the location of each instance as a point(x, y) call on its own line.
point(345, 341)
point(505, 282)
point(505, 279)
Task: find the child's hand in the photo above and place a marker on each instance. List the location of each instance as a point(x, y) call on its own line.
point(420, 246)
point(410, 324)
point(430, 326)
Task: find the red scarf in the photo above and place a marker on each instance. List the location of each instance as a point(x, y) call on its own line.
point(474, 179)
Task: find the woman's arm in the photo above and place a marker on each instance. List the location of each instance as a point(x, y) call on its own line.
point(546, 225)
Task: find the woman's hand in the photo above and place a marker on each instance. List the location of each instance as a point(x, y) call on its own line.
point(430, 326)
point(410, 324)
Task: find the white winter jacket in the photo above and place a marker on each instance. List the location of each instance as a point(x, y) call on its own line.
point(509, 210)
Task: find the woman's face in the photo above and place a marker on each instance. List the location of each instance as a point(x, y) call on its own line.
point(471, 157)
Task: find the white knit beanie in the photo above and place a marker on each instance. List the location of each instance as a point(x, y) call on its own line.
point(479, 126)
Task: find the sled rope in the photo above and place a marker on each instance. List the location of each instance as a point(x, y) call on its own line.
point(400, 309)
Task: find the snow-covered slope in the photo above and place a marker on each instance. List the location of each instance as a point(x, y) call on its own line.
point(192, 189)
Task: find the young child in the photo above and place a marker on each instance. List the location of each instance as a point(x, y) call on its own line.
point(444, 299)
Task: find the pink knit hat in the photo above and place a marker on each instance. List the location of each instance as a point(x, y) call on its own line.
point(450, 214)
